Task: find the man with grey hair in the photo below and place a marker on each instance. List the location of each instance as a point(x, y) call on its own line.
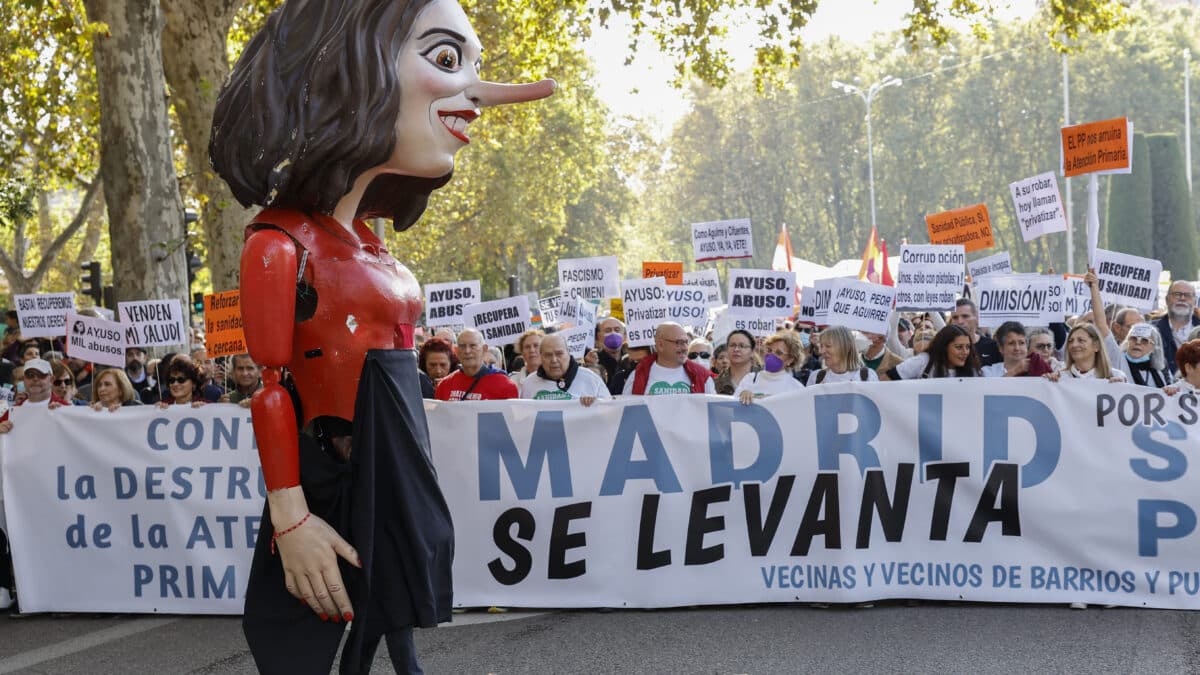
point(1174, 327)
point(474, 380)
point(1123, 320)
point(668, 370)
point(560, 376)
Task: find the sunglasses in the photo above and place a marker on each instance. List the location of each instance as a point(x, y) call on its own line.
point(699, 355)
point(62, 382)
point(803, 330)
point(177, 380)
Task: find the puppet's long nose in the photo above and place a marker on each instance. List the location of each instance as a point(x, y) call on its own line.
point(493, 93)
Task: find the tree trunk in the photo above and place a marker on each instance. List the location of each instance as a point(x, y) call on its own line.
point(196, 67)
point(145, 214)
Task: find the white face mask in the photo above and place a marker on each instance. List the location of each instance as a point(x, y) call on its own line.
point(703, 362)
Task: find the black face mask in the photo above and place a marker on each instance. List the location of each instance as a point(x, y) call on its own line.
point(567, 378)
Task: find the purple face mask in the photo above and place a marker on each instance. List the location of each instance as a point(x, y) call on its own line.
point(613, 340)
point(772, 363)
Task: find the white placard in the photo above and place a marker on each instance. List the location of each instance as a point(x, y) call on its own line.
point(808, 305)
point(1077, 297)
point(822, 299)
point(761, 293)
point(548, 309)
point(645, 303)
point(153, 323)
point(44, 314)
point(96, 340)
point(1031, 299)
point(1039, 206)
point(1128, 279)
point(687, 305)
point(576, 313)
point(723, 240)
point(1000, 263)
point(930, 277)
point(589, 278)
point(501, 321)
point(578, 340)
point(710, 280)
point(861, 305)
point(444, 303)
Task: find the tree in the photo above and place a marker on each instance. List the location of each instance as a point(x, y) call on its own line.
point(1174, 234)
point(145, 214)
point(1129, 217)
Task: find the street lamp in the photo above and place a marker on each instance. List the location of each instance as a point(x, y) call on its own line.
point(868, 96)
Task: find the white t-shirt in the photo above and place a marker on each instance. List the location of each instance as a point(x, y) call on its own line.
point(1073, 373)
point(848, 376)
point(586, 383)
point(911, 368)
point(665, 381)
point(994, 370)
point(763, 384)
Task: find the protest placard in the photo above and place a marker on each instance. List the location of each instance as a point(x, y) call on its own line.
point(930, 277)
point(576, 313)
point(1077, 297)
point(96, 340)
point(1099, 147)
point(761, 293)
point(1128, 279)
point(645, 302)
point(823, 297)
point(578, 340)
point(44, 314)
point(444, 303)
point(590, 278)
point(710, 281)
point(1000, 263)
point(672, 272)
point(500, 321)
point(808, 305)
point(723, 240)
point(686, 305)
point(861, 305)
point(223, 332)
point(548, 308)
point(1031, 299)
point(153, 323)
point(970, 226)
point(1039, 206)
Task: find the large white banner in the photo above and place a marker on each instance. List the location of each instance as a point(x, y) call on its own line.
point(139, 510)
point(826, 495)
point(988, 490)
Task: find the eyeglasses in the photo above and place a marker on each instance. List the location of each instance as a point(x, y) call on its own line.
point(699, 355)
point(1182, 295)
point(177, 380)
point(62, 382)
point(681, 342)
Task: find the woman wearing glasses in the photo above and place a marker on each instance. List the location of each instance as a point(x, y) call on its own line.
point(783, 350)
point(1140, 357)
point(63, 384)
point(700, 351)
point(184, 383)
point(739, 350)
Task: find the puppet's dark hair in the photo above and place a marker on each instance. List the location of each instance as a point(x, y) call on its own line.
point(312, 104)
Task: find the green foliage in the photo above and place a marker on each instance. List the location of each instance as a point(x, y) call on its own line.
point(1129, 217)
point(1174, 230)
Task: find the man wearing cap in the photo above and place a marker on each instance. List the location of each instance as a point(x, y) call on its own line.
point(37, 390)
point(668, 370)
point(560, 377)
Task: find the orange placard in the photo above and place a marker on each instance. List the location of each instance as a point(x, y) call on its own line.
point(970, 226)
point(223, 335)
point(671, 271)
point(1096, 146)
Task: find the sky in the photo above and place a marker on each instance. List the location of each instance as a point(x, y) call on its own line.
point(643, 88)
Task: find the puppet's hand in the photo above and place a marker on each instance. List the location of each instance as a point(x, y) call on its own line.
point(309, 555)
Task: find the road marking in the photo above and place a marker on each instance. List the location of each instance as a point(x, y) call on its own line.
point(472, 618)
point(81, 643)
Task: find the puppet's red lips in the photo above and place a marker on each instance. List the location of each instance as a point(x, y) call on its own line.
point(456, 122)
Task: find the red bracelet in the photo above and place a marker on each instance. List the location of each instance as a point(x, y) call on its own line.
point(280, 534)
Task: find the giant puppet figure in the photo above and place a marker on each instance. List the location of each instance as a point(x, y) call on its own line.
point(340, 110)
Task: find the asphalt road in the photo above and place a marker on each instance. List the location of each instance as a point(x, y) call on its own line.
point(762, 639)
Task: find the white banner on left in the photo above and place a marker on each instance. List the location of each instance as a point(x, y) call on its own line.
point(141, 510)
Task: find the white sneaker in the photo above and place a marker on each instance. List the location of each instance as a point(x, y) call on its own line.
point(6, 600)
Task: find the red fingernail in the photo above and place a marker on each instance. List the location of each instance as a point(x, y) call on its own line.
point(324, 616)
point(337, 619)
point(348, 616)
